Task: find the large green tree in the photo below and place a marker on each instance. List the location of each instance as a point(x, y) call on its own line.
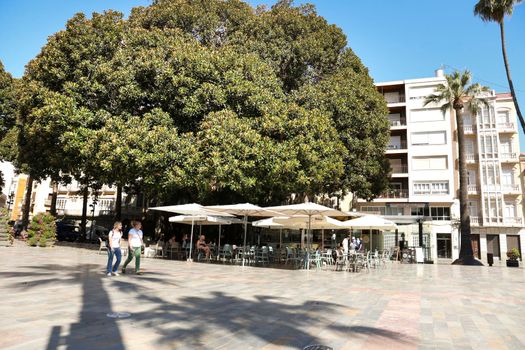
point(495, 11)
point(206, 100)
point(458, 94)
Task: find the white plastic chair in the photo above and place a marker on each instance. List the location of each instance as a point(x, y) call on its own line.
point(102, 246)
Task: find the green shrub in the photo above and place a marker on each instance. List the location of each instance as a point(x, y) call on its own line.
point(4, 219)
point(513, 254)
point(41, 230)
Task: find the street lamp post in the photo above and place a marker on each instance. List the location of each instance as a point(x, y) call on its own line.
point(10, 200)
point(92, 206)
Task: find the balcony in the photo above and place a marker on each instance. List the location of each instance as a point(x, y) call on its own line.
point(508, 157)
point(395, 193)
point(397, 122)
point(506, 127)
point(469, 129)
point(472, 189)
point(402, 145)
point(399, 169)
point(512, 221)
point(510, 189)
point(475, 220)
point(471, 158)
point(394, 98)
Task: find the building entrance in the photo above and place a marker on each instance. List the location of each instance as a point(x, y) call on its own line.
point(444, 245)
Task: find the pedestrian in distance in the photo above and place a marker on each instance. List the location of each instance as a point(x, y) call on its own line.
point(135, 245)
point(113, 247)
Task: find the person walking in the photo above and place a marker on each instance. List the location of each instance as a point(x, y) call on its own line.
point(135, 244)
point(114, 237)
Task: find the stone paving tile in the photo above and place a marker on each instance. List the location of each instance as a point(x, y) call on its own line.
point(59, 298)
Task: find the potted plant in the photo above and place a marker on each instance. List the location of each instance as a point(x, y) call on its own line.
point(513, 255)
point(42, 230)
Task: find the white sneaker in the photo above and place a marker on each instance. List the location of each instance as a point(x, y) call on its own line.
point(116, 274)
point(109, 274)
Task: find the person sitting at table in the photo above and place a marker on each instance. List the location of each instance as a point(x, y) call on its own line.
point(202, 246)
point(172, 241)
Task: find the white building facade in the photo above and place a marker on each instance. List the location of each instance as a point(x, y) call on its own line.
point(425, 178)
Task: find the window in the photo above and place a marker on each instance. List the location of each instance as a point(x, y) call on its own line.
point(510, 210)
point(503, 117)
point(507, 177)
point(440, 213)
point(433, 188)
point(430, 163)
point(426, 115)
point(473, 208)
point(420, 211)
point(61, 203)
point(429, 138)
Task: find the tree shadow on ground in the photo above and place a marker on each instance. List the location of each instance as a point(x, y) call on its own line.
point(208, 321)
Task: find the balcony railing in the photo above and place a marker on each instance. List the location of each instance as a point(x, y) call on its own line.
point(510, 188)
point(472, 189)
point(475, 220)
point(469, 129)
point(399, 169)
point(506, 126)
point(512, 221)
point(395, 99)
point(471, 157)
point(396, 193)
point(400, 122)
point(396, 146)
point(508, 156)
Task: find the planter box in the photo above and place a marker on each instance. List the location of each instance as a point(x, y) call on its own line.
point(513, 263)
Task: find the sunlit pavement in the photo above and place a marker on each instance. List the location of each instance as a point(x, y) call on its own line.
point(60, 298)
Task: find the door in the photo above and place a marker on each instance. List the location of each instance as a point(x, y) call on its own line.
point(444, 245)
point(474, 239)
point(493, 245)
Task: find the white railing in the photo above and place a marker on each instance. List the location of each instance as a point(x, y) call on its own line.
point(474, 220)
point(511, 155)
point(506, 126)
point(395, 146)
point(468, 129)
point(472, 188)
point(512, 221)
point(471, 157)
point(510, 188)
point(395, 99)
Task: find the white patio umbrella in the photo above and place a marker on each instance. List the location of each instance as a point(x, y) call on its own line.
point(192, 209)
point(245, 210)
point(370, 222)
point(310, 210)
point(271, 224)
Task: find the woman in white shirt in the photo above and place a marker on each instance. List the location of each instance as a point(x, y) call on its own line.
point(114, 248)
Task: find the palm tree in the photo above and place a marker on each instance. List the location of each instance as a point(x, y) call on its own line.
point(457, 94)
point(495, 11)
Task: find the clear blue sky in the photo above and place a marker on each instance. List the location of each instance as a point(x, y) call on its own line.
point(399, 39)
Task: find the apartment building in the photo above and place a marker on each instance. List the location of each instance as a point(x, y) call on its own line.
point(425, 178)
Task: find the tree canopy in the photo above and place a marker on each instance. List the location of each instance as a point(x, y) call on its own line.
point(208, 100)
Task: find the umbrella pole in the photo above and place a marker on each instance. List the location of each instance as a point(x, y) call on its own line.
point(308, 242)
point(191, 238)
point(322, 239)
point(219, 246)
point(245, 232)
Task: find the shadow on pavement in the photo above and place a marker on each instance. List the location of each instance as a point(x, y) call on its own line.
point(208, 321)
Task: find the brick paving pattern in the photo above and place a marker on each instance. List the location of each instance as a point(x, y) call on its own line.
point(59, 298)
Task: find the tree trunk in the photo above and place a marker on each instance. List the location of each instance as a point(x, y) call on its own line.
point(83, 221)
point(54, 195)
point(507, 69)
point(466, 256)
point(118, 204)
point(27, 202)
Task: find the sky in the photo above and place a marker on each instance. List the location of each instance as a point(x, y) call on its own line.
point(396, 40)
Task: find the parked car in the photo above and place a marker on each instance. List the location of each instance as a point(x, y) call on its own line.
point(67, 231)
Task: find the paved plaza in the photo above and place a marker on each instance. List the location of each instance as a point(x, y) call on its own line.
point(60, 298)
